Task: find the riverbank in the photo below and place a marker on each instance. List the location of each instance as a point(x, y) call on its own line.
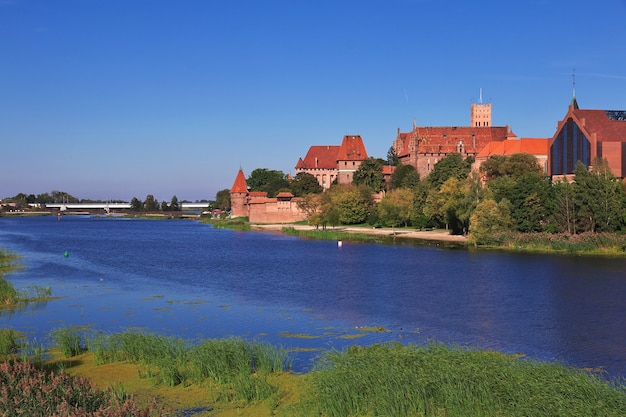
point(430, 235)
point(583, 244)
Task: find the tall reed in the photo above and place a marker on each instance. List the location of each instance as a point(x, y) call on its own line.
point(396, 380)
point(69, 340)
point(237, 369)
point(8, 341)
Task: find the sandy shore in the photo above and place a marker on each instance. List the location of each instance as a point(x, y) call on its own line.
point(438, 235)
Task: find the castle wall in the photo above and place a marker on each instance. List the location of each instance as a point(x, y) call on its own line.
point(271, 210)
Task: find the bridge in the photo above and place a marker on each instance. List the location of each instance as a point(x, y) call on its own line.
point(110, 206)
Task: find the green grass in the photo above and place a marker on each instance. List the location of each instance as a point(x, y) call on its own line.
point(395, 380)
point(238, 223)
point(378, 380)
point(8, 341)
point(234, 368)
point(8, 294)
point(589, 243)
point(332, 234)
point(69, 340)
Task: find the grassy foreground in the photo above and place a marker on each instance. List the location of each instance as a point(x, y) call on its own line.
point(233, 377)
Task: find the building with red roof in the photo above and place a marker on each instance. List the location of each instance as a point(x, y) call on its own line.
point(584, 135)
point(328, 163)
point(259, 208)
point(538, 147)
point(424, 146)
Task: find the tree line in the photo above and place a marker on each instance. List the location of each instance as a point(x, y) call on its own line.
point(150, 204)
point(509, 193)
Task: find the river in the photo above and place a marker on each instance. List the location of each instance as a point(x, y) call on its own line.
point(190, 280)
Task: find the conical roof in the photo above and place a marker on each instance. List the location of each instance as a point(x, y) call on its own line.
point(240, 185)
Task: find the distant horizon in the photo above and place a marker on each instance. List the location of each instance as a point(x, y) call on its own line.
point(118, 99)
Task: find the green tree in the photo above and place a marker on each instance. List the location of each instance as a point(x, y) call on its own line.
point(370, 174)
point(62, 197)
point(150, 204)
point(174, 206)
point(164, 206)
point(347, 204)
point(514, 166)
point(419, 218)
point(472, 193)
point(270, 181)
point(405, 176)
point(493, 166)
point(396, 207)
point(565, 207)
point(222, 200)
point(305, 183)
point(441, 204)
point(452, 165)
point(312, 205)
point(488, 219)
point(532, 202)
point(136, 204)
point(392, 157)
point(600, 196)
point(520, 164)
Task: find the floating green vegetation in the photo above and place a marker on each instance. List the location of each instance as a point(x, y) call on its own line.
point(11, 299)
point(162, 308)
point(370, 329)
point(303, 349)
point(224, 306)
point(351, 335)
point(154, 297)
point(297, 335)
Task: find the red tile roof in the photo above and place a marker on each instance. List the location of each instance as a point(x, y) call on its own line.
point(533, 146)
point(240, 185)
point(446, 139)
point(352, 149)
point(598, 122)
point(319, 157)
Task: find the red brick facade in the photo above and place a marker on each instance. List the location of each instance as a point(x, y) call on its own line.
point(583, 135)
point(258, 208)
point(423, 147)
point(329, 163)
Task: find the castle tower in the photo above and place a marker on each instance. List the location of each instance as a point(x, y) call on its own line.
point(351, 153)
point(480, 114)
point(239, 196)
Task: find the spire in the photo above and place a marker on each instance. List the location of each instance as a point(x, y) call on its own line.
point(574, 103)
point(240, 185)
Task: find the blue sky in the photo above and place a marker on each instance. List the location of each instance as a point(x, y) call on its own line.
point(114, 99)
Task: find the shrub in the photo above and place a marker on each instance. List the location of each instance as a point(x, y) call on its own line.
point(29, 391)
